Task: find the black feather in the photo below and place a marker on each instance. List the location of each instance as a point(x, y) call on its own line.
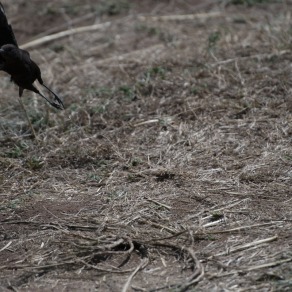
point(6, 33)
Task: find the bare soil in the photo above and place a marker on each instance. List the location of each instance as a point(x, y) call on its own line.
point(170, 168)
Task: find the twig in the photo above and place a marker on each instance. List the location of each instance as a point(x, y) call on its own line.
point(268, 265)
point(142, 265)
point(138, 288)
point(138, 53)
point(113, 245)
point(180, 17)
point(132, 247)
point(248, 245)
point(104, 270)
point(212, 232)
point(38, 267)
point(65, 25)
point(157, 225)
point(12, 287)
point(6, 246)
point(168, 237)
point(212, 211)
point(213, 223)
point(159, 204)
point(147, 122)
point(15, 137)
point(64, 33)
point(257, 56)
point(104, 249)
point(230, 205)
point(252, 268)
point(197, 275)
point(240, 228)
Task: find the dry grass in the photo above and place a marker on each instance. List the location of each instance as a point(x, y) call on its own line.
point(170, 169)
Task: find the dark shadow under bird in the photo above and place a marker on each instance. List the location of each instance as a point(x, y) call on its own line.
point(18, 64)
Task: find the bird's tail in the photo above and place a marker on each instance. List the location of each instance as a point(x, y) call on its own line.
point(2, 8)
point(6, 35)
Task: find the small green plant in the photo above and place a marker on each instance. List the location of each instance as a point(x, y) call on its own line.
point(93, 177)
point(71, 9)
point(48, 10)
point(213, 39)
point(133, 178)
point(288, 157)
point(38, 119)
point(149, 30)
point(17, 151)
point(99, 109)
point(199, 89)
point(216, 217)
point(57, 48)
point(136, 161)
point(103, 92)
point(155, 72)
point(113, 7)
point(14, 204)
point(34, 163)
point(127, 91)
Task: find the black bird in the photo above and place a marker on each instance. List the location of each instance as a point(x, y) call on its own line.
point(18, 64)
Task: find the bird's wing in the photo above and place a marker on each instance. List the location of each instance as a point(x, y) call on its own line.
point(6, 32)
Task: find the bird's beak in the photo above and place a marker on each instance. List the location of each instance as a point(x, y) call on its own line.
point(58, 105)
point(1, 51)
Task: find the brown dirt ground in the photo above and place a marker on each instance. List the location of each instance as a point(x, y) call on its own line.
point(170, 168)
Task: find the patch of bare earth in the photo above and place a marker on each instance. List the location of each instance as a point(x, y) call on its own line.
point(170, 169)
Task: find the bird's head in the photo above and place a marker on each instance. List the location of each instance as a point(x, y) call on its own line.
point(8, 51)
